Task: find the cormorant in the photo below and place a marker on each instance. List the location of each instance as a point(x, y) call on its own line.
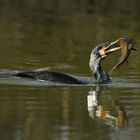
point(97, 55)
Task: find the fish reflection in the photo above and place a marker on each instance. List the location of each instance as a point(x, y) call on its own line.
point(99, 111)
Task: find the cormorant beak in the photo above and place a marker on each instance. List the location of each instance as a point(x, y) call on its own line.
point(113, 46)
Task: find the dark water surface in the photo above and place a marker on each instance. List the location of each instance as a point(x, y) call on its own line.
point(60, 36)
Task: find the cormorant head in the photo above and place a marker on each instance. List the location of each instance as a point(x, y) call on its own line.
point(104, 49)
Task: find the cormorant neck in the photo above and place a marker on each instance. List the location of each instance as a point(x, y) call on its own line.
point(95, 66)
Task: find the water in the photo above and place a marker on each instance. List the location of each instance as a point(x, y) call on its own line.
point(63, 113)
point(60, 35)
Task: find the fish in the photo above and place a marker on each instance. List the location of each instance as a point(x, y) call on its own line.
point(126, 46)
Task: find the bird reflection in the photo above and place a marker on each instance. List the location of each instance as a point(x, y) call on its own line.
point(97, 110)
point(92, 102)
